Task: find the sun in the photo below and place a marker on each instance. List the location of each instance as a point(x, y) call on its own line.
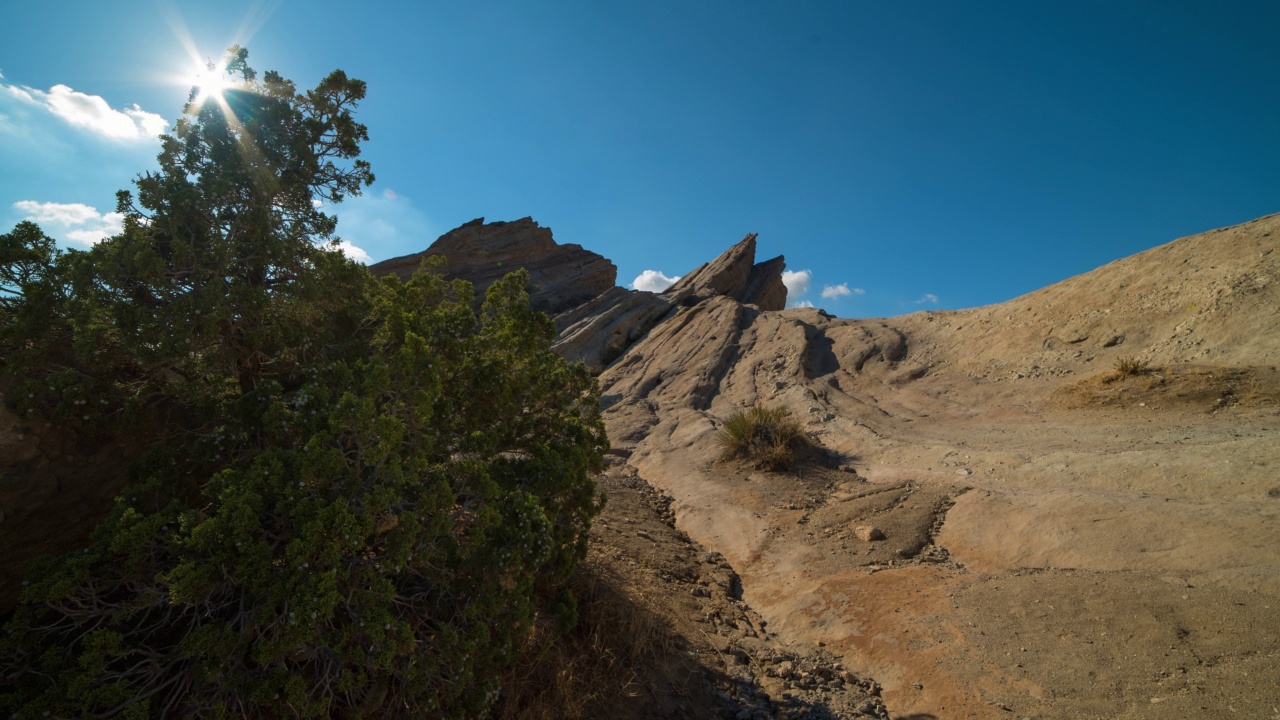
point(211, 81)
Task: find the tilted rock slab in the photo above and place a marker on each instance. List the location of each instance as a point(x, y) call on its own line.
point(735, 274)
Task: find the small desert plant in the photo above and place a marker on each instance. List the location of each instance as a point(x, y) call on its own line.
point(767, 436)
point(1128, 366)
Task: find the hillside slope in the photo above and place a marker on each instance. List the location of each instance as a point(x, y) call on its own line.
point(1140, 513)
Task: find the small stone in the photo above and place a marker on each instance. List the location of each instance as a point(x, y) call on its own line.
point(964, 471)
point(917, 686)
point(868, 533)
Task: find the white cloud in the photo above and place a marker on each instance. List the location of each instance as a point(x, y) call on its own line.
point(353, 252)
point(831, 292)
point(927, 298)
point(74, 221)
point(797, 282)
point(19, 93)
point(92, 113)
point(56, 213)
point(653, 281)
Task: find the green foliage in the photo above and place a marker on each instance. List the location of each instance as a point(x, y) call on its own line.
point(767, 437)
point(361, 493)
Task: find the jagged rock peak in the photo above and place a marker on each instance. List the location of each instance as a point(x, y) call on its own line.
point(735, 274)
point(562, 276)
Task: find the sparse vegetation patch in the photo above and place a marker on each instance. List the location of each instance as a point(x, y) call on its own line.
point(768, 437)
point(1209, 387)
point(1131, 366)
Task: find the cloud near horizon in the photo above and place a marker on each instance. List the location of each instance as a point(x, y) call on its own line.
point(653, 281)
point(76, 222)
point(831, 292)
point(927, 298)
point(91, 112)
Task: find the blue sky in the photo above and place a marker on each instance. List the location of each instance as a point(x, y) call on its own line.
point(903, 156)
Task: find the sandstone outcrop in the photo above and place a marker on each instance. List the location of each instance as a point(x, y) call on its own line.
point(735, 274)
point(600, 331)
point(764, 287)
point(561, 276)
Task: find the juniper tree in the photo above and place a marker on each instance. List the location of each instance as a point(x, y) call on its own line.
point(361, 493)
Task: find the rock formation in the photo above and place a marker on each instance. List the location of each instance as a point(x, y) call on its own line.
point(735, 274)
point(599, 332)
point(561, 276)
point(995, 494)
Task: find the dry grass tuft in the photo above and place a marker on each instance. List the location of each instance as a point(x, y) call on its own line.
point(768, 437)
point(1130, 366)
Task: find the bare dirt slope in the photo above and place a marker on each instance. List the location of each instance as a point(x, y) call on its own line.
point(1059, 543)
